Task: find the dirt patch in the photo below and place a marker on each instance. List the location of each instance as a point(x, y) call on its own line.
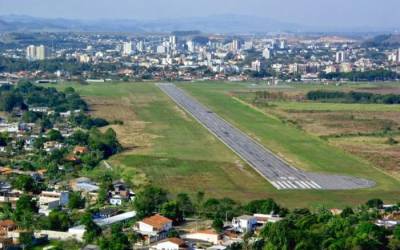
point(182, 113)
point(131, 133)
point(380, 90)
point(375, 150)
point(342, 122)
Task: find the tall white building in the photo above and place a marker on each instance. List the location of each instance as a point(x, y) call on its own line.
point(127, 48)
point(282, 44)
point(31, 52)
point(235, 45)
point(256, 66)
point(190, 46)
point(340, 56)
point(37, 52)
point(266, 53)
point(172, 40)
point(140, 46)
point(398, 55)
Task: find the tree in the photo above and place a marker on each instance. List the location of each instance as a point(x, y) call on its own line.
point(185, 204)
point(25, 183)
point(76, 201)
point(375, 203)
point(59, 221)
point(172, 211)
point(54, 135)
point(92, 229)
point(149, 201)
point(117, 241)
point(218, 225)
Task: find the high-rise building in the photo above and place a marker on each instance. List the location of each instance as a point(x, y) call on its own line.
point(266, 53)
point(31, 52)
point(140, 46)
point(37, 52)
point(172, 40)
point(248, 45)
point(256, 66)
point(282, 44)
point(127, 48)
point(340, 56)
point(190, 46)
point(161, 49)
point(398, 55)
point(235, 45)
point(41, 52)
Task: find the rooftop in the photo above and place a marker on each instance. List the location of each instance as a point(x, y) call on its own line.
point(157, 221)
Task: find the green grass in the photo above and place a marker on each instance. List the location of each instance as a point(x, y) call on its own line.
point(318, 106)
point(303, 150)
point(184, 157)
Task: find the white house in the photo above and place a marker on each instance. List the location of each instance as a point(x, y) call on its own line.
point(244, 223)
point(52, 200)
point(204, 235)
point(170, 244)
point(155, 227)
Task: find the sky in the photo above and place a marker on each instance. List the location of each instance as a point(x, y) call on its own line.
point(330, 13)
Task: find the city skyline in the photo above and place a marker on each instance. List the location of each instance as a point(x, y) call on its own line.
point(356, 13)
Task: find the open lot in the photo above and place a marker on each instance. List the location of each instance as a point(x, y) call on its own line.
point(167, 147)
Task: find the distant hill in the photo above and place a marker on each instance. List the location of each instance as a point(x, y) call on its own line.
point(212, 24)
point(388, 40)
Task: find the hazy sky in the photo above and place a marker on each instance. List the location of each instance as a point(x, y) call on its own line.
point(377, 13)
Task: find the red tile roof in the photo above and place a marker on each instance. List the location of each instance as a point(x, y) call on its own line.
point(157, 221)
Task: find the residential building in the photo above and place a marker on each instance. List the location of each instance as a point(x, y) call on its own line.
point(340, 56)
point(154, 228)
point(171, 244)
point(127, 48)
point(244, 223)
point(204, 235)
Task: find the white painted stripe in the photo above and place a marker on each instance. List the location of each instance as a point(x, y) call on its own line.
point(318, 186)
point(275, 185)
point(300, 184)
point(292, 185)
point(281, 184)
point(305, 184)
point(312, 184)
point(286, 184)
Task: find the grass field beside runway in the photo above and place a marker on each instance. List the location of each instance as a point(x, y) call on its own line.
point(168, 148)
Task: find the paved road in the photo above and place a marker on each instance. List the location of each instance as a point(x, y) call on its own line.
point(278, 172)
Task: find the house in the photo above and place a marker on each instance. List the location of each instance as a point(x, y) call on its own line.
point(7, 226)
point(116, 200)
point(91, 247)
point(244, 223)
point(84, 184)
point(265, 218)
point(120, 193)
point(204, 235)
point(171, 244)
point(6, 242)
point(78, 150)
point(52, 145)
point(52, 200)
point(39, 109)
point(9, 127)
point(154, 228)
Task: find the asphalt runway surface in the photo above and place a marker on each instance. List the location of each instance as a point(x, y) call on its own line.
point(278, 172)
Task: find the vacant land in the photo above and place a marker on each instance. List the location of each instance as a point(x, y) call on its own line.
point(361, 129)
point(166, 147)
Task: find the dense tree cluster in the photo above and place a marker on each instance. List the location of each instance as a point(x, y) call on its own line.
point(352, 97)
point(26, 94)
point(373, 75)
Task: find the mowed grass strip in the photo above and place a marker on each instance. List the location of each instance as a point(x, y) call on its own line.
point(297, 147)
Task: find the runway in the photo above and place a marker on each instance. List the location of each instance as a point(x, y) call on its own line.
point(278, 172)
